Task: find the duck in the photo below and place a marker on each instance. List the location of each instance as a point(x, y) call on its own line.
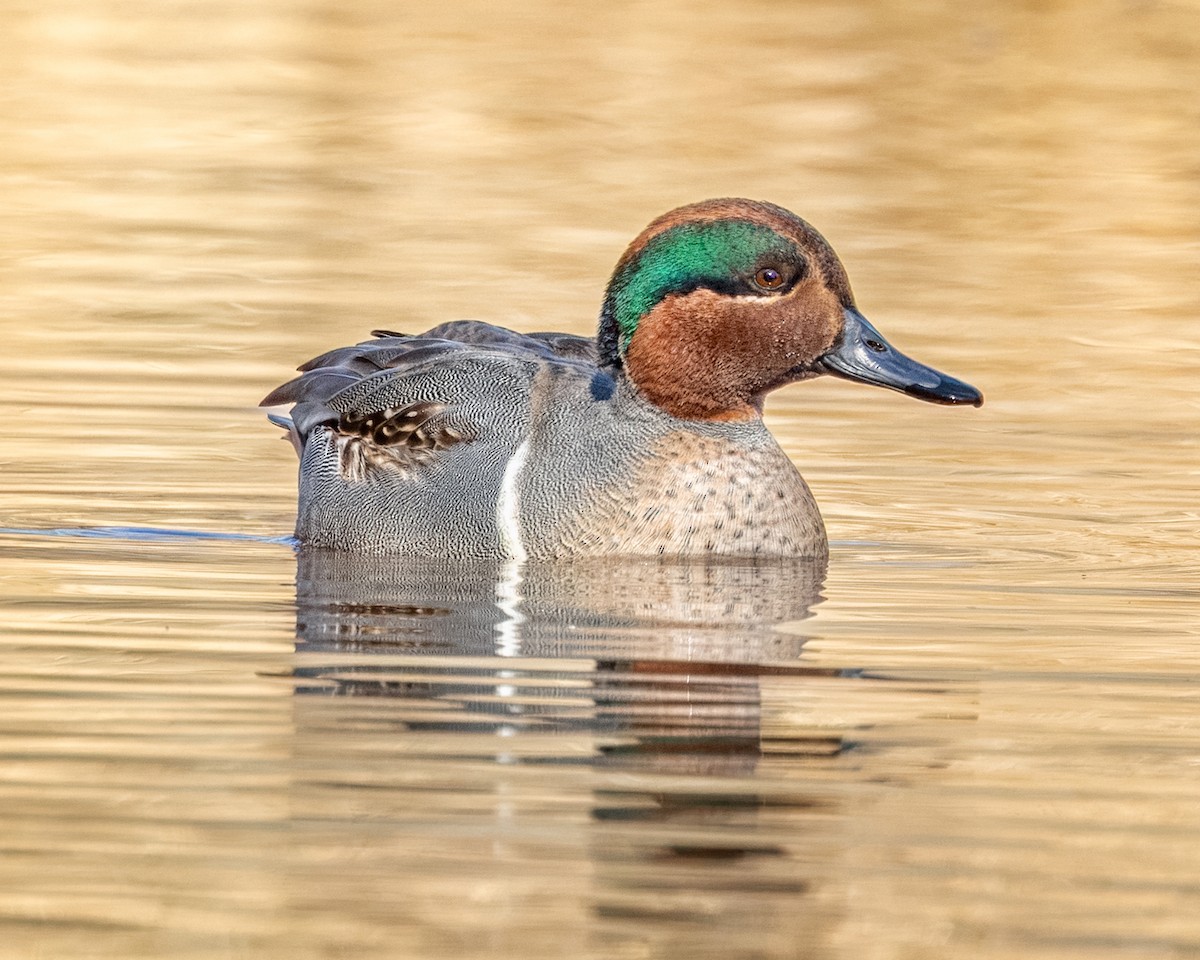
point(476, 442)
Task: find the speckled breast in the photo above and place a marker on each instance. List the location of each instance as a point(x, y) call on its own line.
point(688, 494)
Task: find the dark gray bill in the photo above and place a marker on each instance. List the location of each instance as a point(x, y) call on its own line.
point(864, 355)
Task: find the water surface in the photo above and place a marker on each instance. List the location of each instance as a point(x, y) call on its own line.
point(973, 734)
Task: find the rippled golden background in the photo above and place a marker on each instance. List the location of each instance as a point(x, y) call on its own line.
point(194, 197)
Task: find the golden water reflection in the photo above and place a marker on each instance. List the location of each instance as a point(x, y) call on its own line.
point(498, 767)
point(973, 735)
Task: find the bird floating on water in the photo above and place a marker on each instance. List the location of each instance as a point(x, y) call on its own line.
point(472, 441)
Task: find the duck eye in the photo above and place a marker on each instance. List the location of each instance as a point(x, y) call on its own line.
point(769, 278)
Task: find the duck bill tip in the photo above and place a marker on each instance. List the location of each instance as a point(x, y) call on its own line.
point(951, 393)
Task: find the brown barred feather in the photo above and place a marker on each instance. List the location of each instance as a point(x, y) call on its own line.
point(397, 438)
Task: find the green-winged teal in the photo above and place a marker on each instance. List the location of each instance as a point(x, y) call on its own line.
point(473, 441)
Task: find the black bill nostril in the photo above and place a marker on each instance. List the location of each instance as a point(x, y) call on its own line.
point(875, 345)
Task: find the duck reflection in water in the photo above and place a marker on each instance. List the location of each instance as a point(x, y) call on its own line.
point(648, 673)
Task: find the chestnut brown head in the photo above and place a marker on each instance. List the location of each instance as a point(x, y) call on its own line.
point(717, 303)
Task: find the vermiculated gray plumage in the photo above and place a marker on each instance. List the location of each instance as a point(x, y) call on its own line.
point(609, 474)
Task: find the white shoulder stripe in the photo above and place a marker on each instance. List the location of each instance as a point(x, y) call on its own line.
point(508, 507)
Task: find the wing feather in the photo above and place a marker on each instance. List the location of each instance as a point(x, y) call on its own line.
point(399, 403)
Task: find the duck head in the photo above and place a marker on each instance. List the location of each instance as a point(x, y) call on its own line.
point(718, 303)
